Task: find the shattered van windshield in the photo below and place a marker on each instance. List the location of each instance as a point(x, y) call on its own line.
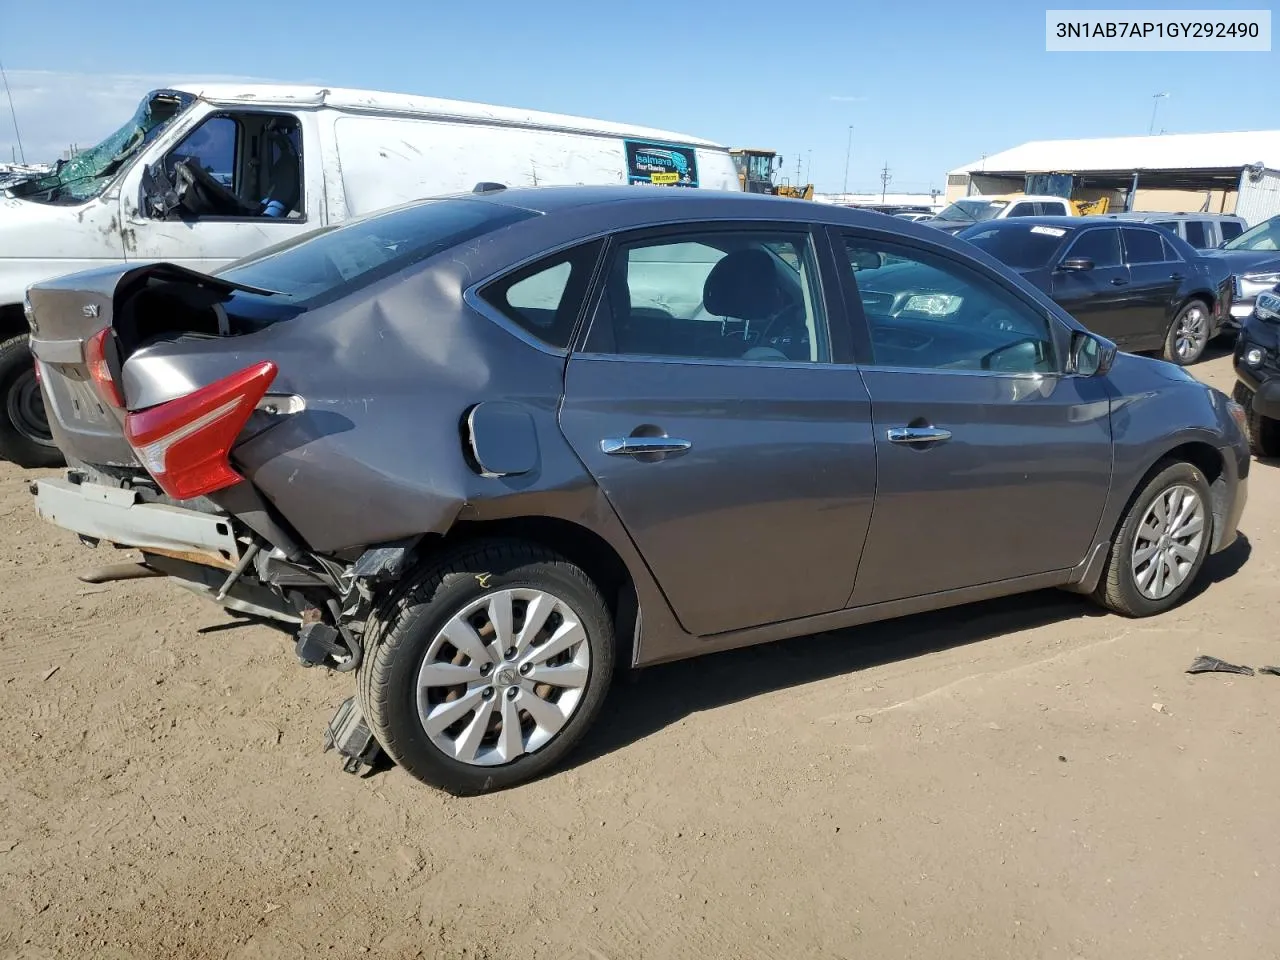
point(87, 174)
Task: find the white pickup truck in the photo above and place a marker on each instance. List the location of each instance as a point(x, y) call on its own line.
point(970, 210)
point(204, 176)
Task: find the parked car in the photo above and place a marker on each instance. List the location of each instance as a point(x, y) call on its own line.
point(1257, 367)
point(915, 216)
point(970, 210)
point(480, 450)
point(203, 175)
point(1202, 231)
point(1254, 261)
point(1143, 288)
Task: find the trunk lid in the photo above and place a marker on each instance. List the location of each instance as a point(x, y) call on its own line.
point(141, 306)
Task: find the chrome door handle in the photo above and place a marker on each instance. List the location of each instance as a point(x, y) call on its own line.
point(630, 446)
point(917, 435)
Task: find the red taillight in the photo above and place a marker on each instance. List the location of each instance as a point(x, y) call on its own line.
point(184, 443)
point(95, 358)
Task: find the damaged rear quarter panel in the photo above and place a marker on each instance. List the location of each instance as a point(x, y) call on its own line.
point(388, 378)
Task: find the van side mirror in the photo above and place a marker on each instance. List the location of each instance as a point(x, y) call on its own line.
point(1091, 355)
point(1076, 264)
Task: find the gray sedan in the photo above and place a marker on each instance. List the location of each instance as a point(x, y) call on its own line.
point(482, 450)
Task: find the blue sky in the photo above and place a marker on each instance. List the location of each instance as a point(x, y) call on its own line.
point(926, 85)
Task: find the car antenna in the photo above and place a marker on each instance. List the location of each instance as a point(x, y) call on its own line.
point(485, 186)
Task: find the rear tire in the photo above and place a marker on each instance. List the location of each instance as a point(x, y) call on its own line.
point(1263, 433)
point(1152, 564)
point(24, 429)
point(1188, 335)
point(512, 710)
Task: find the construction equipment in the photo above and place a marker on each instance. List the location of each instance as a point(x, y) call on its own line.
point(1085, 208)
point(756, 171)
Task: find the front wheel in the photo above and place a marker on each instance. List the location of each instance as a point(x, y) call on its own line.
point(1188, 334)
point(1161, 545)
point(489, 668)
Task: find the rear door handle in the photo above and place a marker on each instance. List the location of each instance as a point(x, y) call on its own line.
point(917, 435)
point(1175, 276)
point(631, 446)
point(1118, 281)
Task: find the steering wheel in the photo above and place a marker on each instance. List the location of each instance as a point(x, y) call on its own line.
point(190, 173)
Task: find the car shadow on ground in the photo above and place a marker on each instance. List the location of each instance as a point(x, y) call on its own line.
point(659, 696)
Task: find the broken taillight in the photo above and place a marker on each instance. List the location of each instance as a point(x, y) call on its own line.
point(184, 443)
point(95, 356)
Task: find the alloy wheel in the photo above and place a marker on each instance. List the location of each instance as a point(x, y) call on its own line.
point(1192, 333)
point(503, 676)
point(1168, 542)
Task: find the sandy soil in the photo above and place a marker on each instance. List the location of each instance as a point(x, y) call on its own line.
point(995, 781)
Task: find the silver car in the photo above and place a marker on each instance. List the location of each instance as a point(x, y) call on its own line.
point(484, 450)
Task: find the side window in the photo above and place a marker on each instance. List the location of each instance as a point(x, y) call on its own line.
point(1170, 225)
point(1171, 254)
point(1230, 229)
point(928, 312)
point(1142, 246)
point(732, 295)
point(1024, 209)
point(214, 145)
point(1197, 234)
point(1054, 209)
point(1100, 246)
point(243, 165)
point(545, 298)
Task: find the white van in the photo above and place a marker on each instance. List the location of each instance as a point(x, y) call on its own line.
point(203, 176)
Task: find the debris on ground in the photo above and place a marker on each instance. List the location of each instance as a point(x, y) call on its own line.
point(348, 733)
point(1205, 664)
point(1159, 708)
point(1274, 671)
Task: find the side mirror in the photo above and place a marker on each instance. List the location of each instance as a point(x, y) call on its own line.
point(1091, 355)
point(1076, 264)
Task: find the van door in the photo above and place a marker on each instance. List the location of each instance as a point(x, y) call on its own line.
point(240, 181)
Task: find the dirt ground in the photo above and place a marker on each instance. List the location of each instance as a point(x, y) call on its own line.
point(1024, 778)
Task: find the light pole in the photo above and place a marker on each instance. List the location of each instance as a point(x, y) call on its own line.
point(847, 150)
point(1155, 105)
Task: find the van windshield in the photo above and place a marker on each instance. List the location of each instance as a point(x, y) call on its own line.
point(87, 174)
point(335, 261)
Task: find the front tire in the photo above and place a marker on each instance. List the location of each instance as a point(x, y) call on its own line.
point(1161, 546)
point(24, 428)
point(488, 668)
point(1188, 335)
point(1263, 433)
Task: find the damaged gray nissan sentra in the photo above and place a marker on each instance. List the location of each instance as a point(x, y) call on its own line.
point(482, 449)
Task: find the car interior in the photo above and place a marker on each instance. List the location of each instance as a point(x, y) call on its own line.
point(240, 166)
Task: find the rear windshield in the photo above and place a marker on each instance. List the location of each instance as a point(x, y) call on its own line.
point(336, 261)
point(1023, 247)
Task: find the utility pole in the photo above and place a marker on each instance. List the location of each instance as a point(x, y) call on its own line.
point(808, 167)
point(13, 113)
point(1155, 105)
point(885, 177)
point(848, 148)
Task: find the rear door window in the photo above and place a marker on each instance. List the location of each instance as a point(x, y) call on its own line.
point(1051, 208)
point(1197, 234)
point(1025, 209)
point(545, 299)
point(1231, 229)
point(1142, 246)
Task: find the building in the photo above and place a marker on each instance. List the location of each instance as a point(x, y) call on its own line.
point(923, 201)
point(1182, 173)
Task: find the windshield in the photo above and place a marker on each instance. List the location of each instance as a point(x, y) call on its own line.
point(87, 174)
point(335, 261)
point(1022, 247)
point(1265, 236)
point(972, 210)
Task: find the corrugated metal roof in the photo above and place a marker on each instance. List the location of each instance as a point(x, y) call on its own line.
point(1180, 151)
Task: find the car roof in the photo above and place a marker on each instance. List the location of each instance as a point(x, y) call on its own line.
point(642, 201)
point(1153, 215)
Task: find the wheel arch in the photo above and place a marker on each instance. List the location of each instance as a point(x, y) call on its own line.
point(579, 545)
